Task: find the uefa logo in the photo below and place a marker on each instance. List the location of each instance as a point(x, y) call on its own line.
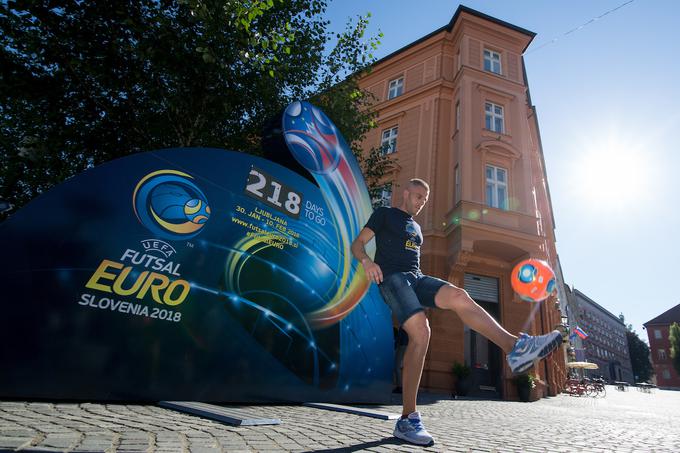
point(170, 205)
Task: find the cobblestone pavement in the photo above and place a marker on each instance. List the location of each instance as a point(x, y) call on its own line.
point(620, 422)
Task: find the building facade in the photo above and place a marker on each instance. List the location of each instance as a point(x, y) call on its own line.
point(454, 109)
point(658, 330)
point(606, 343)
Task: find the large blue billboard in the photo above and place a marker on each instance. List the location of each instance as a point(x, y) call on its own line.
point(197, 274)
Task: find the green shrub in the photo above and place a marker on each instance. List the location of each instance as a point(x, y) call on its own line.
point(525, 380)
point(460, 370)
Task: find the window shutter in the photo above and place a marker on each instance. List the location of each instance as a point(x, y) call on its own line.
point(482, 289)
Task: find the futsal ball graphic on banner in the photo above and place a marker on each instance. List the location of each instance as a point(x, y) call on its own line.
point(198, 274)
point(170, 205)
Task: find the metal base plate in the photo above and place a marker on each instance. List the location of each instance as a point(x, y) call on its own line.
point(231, 415)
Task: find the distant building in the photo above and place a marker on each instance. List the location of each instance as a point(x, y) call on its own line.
point(454, 109)
point(606, 344)
point(660, 348)
point(569, 307)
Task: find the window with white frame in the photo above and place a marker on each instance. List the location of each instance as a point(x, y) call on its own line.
point(662, 354)
point(396, 88)
point(389, 140)
point(456, 183)
point(492, 61)
point(496, 187)
point(383, 197)
point(657, 334)
point(493, 114)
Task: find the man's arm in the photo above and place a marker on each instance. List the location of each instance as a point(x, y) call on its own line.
point(373, 271)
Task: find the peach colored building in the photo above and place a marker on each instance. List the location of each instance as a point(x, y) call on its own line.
point(454, 109)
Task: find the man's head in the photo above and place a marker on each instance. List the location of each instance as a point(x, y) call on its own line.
point(415, 196)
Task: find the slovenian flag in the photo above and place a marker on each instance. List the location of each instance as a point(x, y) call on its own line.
point(578, 331)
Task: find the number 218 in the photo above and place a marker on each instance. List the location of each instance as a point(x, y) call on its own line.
point(292, 203)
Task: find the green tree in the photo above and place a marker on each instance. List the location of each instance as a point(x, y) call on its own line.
point(674, 338)
point(82, 83)
point(639, 356)
point(639, 353)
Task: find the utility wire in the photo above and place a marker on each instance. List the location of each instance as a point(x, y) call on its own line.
point(573, 30)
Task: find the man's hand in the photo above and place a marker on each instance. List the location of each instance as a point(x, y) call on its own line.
point(373, 271)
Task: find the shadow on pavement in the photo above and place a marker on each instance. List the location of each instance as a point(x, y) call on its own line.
point(365, 445)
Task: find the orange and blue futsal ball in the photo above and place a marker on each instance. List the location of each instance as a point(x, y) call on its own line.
point(196, 211)
point(533, 280)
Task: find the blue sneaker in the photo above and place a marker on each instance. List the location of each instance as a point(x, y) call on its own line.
point(411, 430)
point(528, 349)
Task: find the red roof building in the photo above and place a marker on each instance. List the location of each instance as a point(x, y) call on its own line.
point(658, 330)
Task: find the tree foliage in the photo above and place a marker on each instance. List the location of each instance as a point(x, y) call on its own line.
point(639, 356)
point(86, 82)
point(639, 353)
point(674, 338)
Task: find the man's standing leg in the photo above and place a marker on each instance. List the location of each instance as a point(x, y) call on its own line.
point(409, 427)
point(418, 329)
point(397, 291)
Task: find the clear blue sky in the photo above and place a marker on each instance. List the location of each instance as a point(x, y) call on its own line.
point(608, 102)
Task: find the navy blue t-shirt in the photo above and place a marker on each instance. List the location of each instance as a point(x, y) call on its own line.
point(397, 239)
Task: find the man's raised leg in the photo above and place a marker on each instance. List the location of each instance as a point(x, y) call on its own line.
point(456, 299)
point(521, 352)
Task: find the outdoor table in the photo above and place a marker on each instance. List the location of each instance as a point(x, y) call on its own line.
point(622, 386)
point(646, 388)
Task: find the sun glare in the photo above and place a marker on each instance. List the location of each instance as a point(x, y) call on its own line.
point(612, 175)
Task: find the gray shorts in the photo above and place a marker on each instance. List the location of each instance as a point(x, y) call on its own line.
point(407, 293)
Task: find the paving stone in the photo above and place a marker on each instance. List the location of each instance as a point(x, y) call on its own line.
point(17, 432)
point(12, 442)
point(42, 448)
point(193, 449)
point(621, 422)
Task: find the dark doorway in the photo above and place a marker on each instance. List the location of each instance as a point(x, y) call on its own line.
point(483, 356)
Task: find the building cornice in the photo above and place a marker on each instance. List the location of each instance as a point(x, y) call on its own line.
point(498, 147)
point(449, 27)
point(483, 88)
point(438, 84)
point(598, 306)
point(391, 116)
